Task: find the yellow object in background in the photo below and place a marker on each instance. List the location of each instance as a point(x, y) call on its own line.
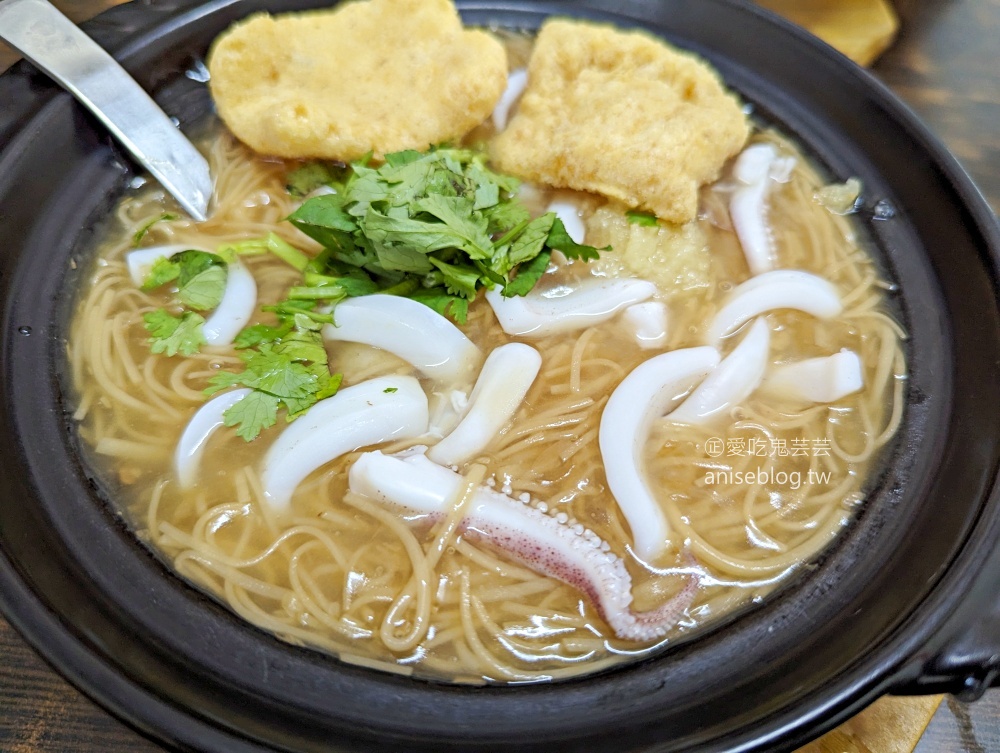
point(861, 29)
point(890, 725)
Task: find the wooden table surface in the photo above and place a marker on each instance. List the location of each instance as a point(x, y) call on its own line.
point(946, 65)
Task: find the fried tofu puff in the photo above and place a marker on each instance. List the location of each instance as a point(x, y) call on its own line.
point(621, 114)
point(379, 76)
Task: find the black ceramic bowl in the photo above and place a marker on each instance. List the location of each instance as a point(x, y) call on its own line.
point(903, 602)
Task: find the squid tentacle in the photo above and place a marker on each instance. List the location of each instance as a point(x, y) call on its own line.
point(550, 544)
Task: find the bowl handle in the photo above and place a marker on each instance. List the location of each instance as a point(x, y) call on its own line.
point(967, 668)
point(963, 657)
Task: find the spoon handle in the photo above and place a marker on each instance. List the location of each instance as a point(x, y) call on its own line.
point(55, 45)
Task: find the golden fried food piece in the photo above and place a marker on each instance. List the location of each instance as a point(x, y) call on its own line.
point(380, 76)
point(621, 114)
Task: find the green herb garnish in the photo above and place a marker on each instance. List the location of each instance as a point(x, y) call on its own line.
point(272, 244)
point(286, 367)
point(200, 276)
point(305, 179)
point(171, 334)
point(435, 226)
point(644, 219)
point(144, 228)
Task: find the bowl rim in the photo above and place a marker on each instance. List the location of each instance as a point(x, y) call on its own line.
point(64, 647)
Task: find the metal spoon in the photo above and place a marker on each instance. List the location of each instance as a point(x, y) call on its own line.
point(54, 43)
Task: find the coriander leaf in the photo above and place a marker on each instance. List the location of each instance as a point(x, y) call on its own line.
point(444, 303)
point(204, 291)
point(506, 216)
point(390, 390)
point(329, 264)
point(500, 261)
point(253, 413)
point(362, 256)
point(222, 381)
point(458, 280)
point(402, 258)
point(435, 226)
point(307, 178)
point(260, 333)
point(193, 262)
point(384, 230)
point(357, 285)
point(532, 239)
point(527, 275)
point(452, 159)
point(645, 219)
point(174, 334)
point(289, 370)
point(162, 272)
point(397, 185)
point(323, 212)
point(336, 240)
point(480, 173)
point(458, 214)
point(296, 406)
point(329, 385)
point(410, 284)
point(201, 277)
point(276, 373)
point(487, 187)
point(302, 349)
point(559, 240)
point(305, 323)
point(405, 157)
point(487, 195)
point(144, 228)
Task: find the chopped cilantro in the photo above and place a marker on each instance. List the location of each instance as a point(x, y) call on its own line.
point(200, 276)
point(444, 303)
point(459, 280)
point(531, 240)
point(644, 219)
point(390, 390)
point(272, 244)
point(162, 272)
point(144, 228)
point(505, 216)
point(299, 310)
point(527, 275)
point(171, 334)
point(255, 412)
point(287, 252)
point(559, 240)
point(285, 366)
point(305, 179)
point(436, 226)
point(260, 333)
point(203, 291)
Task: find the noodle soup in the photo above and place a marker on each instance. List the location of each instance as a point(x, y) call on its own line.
point(747, 497)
